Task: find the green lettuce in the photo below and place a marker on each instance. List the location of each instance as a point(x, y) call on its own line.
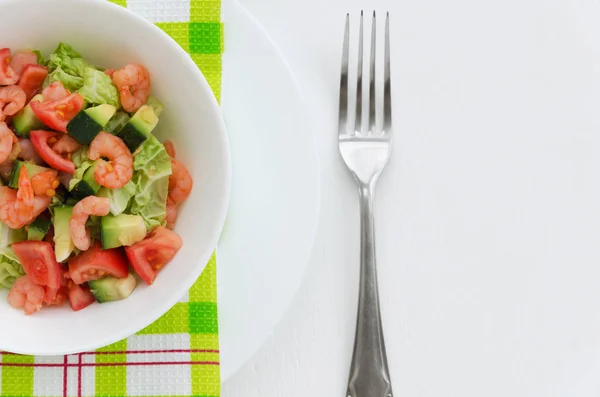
point(68, 59)
point(78, 175)
point(69, 81)
point(40, 58)
point(10, 268)
point(80, 156)
point(152, 168)
point(67, 66)
point(119, 198)
point(117, 122)
point(98, 88)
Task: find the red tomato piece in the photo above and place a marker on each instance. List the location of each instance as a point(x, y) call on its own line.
point(58, 296)
point(151, 254)
point(22, 59)
point(80, 296)
point(61, 297)
point(96, 263)
point(39, 262)
point(7, 75)
point(57, 114)
point(40, 140)
point(50, 294)
point(32, 78)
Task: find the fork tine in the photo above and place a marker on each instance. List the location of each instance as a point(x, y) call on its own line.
point(372, 118)
point(359, 82)
point(343, 121)
point(387, 95)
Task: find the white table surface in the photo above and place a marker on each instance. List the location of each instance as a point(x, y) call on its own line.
point(486, 217)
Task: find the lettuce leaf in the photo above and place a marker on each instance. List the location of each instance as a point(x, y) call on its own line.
point(119, 198)
point(10, 268)
point(78, 175)
point(68, 59)
point(67, 66)
point(80, 156)
point(40, 58)
point(71, 82)
point(152, 168)
point(98, 88)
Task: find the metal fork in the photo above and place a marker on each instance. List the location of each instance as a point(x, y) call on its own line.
point(366, 153)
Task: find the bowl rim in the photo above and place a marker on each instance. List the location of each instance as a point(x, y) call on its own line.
point(225, 159)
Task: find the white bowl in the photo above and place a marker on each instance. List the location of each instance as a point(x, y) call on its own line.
point(110, 36)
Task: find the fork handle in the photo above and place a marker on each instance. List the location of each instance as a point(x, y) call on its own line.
point(369, 374)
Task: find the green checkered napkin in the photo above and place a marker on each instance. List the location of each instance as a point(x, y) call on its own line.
point(178, 355)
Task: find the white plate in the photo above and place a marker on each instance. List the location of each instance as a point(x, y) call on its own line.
point(269, 233)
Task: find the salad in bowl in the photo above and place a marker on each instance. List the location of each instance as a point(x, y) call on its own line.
point(89, 195)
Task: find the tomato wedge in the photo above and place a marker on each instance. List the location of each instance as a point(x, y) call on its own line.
point(39, 262)
point(39, 139)
point(96, 263)
point(57, 114)
point(80, 296)
point(7, 75)
point(21, 59)
point(57, 296)
point(151, 254)
point(32, 78)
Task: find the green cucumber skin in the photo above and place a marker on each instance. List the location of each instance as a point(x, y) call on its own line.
point(83, 128)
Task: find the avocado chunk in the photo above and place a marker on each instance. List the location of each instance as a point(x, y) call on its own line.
point(32, 169)
point(89, 122)
point(63, 245)
point(121, 230)
point(25, 120)
point(110, 289)
point(87, 186)
point(138, 128)
point(38, 229)
point(9, 236)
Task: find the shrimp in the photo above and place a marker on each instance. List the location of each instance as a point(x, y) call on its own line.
point(119, 170)
point(40, 204)
point(22, 59)
point(66, 145)
point(110, 72)
point(170, 148)
point(180, 182)
point(16, 207)
point(91, 205)
point(45, 183)
point(55, 92)
point(27, 295)
point(133, 83)
point(7, 138)
point(171, 213)
point(12, 99)
point(28, 153)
